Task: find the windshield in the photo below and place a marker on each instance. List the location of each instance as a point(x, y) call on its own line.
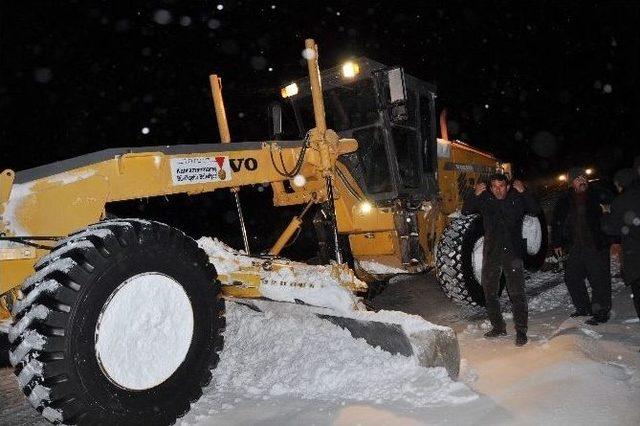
point(346, 106)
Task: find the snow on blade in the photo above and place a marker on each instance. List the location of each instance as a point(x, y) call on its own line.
point(223, 257)
point(311, 284)
point(379, 269)
point(285, 352)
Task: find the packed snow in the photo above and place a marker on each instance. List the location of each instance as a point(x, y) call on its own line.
point(287, 353)
point(134, 331)
point(379, 268)
point(19, 194)
point(312, 284)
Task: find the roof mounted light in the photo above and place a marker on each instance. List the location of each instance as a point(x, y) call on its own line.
point(350, 69)
point(290, 90)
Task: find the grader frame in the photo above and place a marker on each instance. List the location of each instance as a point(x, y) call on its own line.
point(40, 205)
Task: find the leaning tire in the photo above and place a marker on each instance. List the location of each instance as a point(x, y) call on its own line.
point(454, 260)
point(121, 324)
point(535, 232)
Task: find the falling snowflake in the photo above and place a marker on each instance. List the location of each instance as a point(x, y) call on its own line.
point(162, 16)
point(308, 54)
point(42, 75)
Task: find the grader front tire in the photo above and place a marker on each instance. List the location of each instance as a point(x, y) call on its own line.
point(55, 338)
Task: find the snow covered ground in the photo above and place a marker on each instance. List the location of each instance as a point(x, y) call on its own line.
point(280, 368)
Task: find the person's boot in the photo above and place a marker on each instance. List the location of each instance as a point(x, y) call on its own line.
point(599, 318)
point(580, 313)
point(521, 338)
point(495, 332)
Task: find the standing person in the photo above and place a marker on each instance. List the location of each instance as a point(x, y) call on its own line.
point(502, 210)
point(577, 231)
point(624, 222)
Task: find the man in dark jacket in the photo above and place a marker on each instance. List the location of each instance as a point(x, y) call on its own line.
point(624, 222)
point(502, 210)
point(577, 231)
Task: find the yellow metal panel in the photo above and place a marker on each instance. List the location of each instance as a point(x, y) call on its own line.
point(373, 244)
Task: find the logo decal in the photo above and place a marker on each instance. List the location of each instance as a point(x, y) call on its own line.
point(248, 163)
point(190, 170)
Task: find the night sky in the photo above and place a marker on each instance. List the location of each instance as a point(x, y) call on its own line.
point(546, 84)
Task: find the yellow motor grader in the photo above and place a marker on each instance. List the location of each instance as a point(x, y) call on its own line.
point(368, 156)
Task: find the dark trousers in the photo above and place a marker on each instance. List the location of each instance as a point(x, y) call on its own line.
point(635, 290)
point(593, 265)
point(492, 269)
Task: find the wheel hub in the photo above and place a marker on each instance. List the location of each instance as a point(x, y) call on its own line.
point(144, 331)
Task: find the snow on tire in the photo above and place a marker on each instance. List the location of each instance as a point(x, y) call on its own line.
point(98, 306)
point(534, 231)
point(454, 260)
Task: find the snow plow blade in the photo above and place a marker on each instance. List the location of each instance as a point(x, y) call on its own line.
point(394, 332)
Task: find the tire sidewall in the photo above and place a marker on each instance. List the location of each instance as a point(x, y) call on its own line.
point(82, 347)
point(534, 262)
point(474, 232)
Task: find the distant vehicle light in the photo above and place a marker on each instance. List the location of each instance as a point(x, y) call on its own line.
point(365, 207)
point(589, 172)
point(290, 90)
point(562, 178)
point(350, 69)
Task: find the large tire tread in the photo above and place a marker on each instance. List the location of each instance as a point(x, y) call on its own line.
point(37, 337)
point(450, 270)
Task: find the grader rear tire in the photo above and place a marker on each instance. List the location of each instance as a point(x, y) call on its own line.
point(121, 324)
point(454, 260)
point(459, 256)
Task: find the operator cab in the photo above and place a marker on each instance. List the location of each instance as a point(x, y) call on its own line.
point(390, 114)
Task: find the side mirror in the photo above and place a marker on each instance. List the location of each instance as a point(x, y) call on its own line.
point(275, 120)
point(397, 94)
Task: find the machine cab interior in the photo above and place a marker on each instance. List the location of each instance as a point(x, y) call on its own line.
point(392, 117)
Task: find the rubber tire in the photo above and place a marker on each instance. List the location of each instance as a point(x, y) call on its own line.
point(535, 262)
point(4, 350)
point(62, 379)
point(454, 270)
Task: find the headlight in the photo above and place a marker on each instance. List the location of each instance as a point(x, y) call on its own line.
point(350, 69)
point(290, 90)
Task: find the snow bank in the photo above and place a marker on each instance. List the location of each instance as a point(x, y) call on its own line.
point(312, 284)
point(284, 352)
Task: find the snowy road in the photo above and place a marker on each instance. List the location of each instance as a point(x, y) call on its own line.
point(569, 373)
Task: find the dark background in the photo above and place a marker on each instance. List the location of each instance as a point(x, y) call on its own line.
point(545, 84)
